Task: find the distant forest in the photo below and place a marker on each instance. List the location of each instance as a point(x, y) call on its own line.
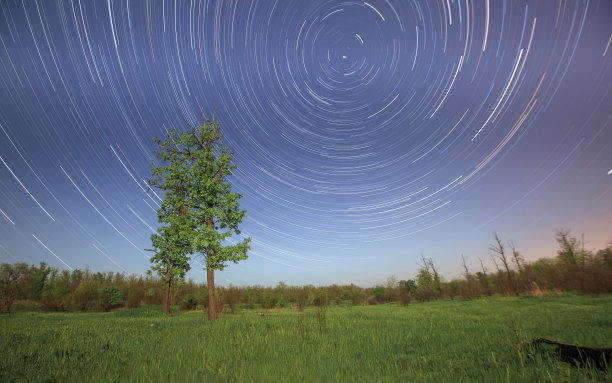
point(573, 269)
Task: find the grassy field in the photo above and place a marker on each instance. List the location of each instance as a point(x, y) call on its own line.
point(443, 341)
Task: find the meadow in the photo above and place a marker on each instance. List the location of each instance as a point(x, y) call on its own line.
point(440, 341)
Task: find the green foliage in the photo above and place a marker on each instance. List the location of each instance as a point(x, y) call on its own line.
point(21, 281)
point(52, 299)
point(189, 303)
point(111, 297)
point(200, 212)
point(283, 302)
point(425, 285)
point(381, 294)
point(269, 300)
point(87, 297)
point(569, 251)
point(409, 285)
point(20, 284)
point(318, 297)
point(9, 289)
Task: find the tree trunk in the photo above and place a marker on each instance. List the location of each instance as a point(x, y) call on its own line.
point(210, 280)
point(167, 290)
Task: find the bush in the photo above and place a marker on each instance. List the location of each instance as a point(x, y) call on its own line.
point(269, 300)
point(404, 297)
point(87, 297)
point(135, 298)
point(318, 298)
point(52, 300)
point(301, 296)
point(231, 296)
point(282, 302)
point(381, 294)
point(189, 303)
point(346, 295)
point(111, 297)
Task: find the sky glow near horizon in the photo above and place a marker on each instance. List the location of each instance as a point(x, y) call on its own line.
point(365, 133)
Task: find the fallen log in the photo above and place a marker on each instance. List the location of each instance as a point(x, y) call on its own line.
point(600, 357)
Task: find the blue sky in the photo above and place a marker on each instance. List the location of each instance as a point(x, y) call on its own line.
point(365, 133)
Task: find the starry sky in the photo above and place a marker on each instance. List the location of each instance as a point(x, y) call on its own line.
point(365, 133)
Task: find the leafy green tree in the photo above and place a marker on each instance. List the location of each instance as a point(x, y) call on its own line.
point(200, 212)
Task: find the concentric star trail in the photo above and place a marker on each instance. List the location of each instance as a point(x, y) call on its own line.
point(365, 133)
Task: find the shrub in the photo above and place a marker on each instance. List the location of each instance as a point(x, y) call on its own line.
point(88, 296)
point(404, 297)
point(189, 303)
point(346, 295)
point(137, 295)
point(283, 303)
point(301, 297)
point(151, 297)
point(231, 296)
point(318, 298)
point(52, 300)
point(381, 294)
point(269, 301)
point(111, 297)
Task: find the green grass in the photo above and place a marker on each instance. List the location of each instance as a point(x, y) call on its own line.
point(444, 341)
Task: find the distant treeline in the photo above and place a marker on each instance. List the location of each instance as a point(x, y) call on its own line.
point(573, 269)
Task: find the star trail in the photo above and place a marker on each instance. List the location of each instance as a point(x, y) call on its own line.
point(365, 133)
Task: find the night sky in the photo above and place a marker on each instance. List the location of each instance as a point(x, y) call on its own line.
point(365, 133)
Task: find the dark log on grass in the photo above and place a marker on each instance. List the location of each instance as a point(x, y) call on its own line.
point(600, 357)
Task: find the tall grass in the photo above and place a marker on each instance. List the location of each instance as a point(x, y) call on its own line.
point(441, 341)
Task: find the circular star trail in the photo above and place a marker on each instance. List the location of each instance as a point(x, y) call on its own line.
point(365, 133)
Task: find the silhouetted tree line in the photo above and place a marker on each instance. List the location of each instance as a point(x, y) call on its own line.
point(573, 269)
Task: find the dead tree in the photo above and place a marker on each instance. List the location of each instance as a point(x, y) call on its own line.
point(499, 252)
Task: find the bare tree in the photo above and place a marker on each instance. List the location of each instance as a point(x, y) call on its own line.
point(469, 278)
point(517, 258)
point(499, 252)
